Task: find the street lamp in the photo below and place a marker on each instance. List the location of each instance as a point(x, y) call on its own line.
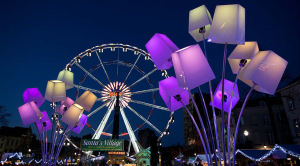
point(29, 150)
point(265, 146)
point(246, 133)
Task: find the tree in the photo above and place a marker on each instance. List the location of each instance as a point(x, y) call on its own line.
point(4, 116)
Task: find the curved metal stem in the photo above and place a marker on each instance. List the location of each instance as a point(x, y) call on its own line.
point(222, 112)
point(238, 123)
point(208, 123)
point(203, 127)
point(199, 133)
point(213, 108)
point(229, 117)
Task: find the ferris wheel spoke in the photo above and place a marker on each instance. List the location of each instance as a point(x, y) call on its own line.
point(145, 76)
point(88, 89)
point(88, 73)
point(132, 68)
point(144, 91)
point(103, 122)
point(140, 116)
point(130, 132)
point(149, 105)
point(99, 108)
point(102, 66)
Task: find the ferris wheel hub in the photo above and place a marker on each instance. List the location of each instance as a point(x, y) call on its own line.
point(116, 89)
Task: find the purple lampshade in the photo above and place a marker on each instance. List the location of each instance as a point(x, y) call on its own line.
point(266, 70)
point(29, 113)
point(45, 119)
point(228, 86)
point(191, 67)
point(33, 94)
point(168, 88)
point(67, 103)
point(160, 48)
point(82, 121)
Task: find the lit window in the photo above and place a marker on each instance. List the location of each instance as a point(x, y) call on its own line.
point(266, 119)
point(270, 137)
point(291, 104)
point(296, 124)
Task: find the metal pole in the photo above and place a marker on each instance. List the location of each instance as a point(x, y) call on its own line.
point(213, 108)
point(60, 142)
point(42, 147)
point(201, 138)
point(203, 127)
point(229, 117)
point(222, 112)
point(53, 139)
point(238, 123)
point(51, 142)
point(208, 123)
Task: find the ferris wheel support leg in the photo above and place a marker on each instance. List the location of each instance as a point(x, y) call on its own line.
point(102, 124)
point(130, 132)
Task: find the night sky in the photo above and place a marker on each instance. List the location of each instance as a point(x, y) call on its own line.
point(38, 38)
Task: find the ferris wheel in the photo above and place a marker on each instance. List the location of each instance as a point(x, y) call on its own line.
point(117, 95)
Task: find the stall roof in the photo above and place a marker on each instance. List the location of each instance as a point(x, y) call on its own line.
point(251, 154)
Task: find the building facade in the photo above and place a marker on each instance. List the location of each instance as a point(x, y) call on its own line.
point(290, 95)
point(17, 139)
point(144, 137)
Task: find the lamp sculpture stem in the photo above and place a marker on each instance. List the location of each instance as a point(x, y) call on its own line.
point(52, 134)
point(229, 116)
point(238, 123)
point(208, 123)
point(213, 107)
point(59, 144)
point(42, 143)
point(203, 127)
point(222, 112)
point(195, 124)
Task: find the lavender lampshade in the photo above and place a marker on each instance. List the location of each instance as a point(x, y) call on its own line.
point(160, 48)
point(87, 100)
point(55, 91)
point(228, 25)
point(228, 86)
point(191, 67)
point(67, 77)
point(72, 115)
point(247, 52)
point(33, 94)
point(44, 119)
point(266, 70)
point(168, 88)
point(29, 113)
point(199, 17)
point(67, 103)
point(81, 123)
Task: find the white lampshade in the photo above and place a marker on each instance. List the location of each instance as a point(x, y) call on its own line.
point(199, 17)
point(191, 67)
point(266, 70)
point(87, 100)
point(247, 52)
point(55, 91)
point(228, 25)
point(67, 77)
point(72, 115)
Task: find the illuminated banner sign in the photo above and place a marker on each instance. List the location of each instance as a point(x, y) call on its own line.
point(117, 153)
point(102, 144)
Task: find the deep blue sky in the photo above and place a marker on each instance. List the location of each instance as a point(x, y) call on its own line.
point(38, 38)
